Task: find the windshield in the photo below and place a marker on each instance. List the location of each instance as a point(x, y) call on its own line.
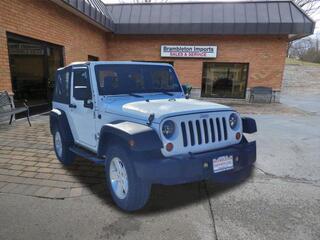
point(114, 79)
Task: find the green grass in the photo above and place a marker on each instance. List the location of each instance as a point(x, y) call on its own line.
point(292, 61)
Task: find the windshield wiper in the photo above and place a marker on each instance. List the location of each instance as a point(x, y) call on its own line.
point(167, 93)
point(135, 95)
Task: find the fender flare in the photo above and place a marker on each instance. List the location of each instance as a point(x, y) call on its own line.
point(139, 137)
point(58, 118)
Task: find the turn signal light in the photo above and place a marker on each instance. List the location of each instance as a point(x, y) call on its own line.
point(238, 135)
point(131, 143)
point(169, 147)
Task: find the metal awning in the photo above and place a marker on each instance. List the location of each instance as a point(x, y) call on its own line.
point(222, 18)
point(260, 17)
point(93, 10)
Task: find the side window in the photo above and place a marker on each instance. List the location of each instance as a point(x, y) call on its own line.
point(62, 86)
point(81, 81)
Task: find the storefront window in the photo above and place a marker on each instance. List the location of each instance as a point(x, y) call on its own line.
point(33, 64)
point(224, 80)
point(93, 58)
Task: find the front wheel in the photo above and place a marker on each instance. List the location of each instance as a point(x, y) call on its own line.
point(128, 191)
point(61, 147)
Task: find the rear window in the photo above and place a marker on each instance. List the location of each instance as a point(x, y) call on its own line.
point(62, 86)
point(114, 79)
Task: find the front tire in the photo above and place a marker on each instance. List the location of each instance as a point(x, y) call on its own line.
point(128, 191)
point(61, 147)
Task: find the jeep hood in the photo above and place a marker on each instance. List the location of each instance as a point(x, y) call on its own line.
point(163, 108)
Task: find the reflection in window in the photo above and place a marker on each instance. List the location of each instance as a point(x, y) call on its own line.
point(62, 86)
point(80, 77)
point(80, 80)
point(224, 80)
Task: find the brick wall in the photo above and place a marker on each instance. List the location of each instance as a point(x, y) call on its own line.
point(44, 20)
point(265, 55)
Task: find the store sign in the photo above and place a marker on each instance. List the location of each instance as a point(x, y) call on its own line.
point(179, 51)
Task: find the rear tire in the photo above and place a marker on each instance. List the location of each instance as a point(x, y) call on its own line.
point(61, 147)
point(128, 191)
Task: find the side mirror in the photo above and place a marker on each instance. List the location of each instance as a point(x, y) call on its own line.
point(187, 90)
point(81, 93)
point(88, 103)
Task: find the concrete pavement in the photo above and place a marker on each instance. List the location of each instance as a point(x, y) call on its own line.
point(280, 201)
point(91, 217)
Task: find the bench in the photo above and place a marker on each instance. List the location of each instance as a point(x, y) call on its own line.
point(8, 109)
point(265, 92)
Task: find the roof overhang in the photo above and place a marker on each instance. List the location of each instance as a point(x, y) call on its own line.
point(87, 10)
point(223, 18)
point(196, 18)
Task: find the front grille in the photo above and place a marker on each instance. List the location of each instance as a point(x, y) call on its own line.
point(204, 131)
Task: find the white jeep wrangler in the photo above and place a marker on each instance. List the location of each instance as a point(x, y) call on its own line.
point(136, 119)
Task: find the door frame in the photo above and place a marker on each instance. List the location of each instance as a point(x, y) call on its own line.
point(43, 44)
point(78, 140)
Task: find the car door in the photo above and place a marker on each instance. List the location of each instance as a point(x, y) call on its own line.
point(81, 107)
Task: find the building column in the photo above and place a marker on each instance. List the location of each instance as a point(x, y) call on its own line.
point(5, 78)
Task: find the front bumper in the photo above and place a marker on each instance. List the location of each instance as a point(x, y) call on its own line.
point(191, 168)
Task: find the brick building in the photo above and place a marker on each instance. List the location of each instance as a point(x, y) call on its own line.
point(221, 49)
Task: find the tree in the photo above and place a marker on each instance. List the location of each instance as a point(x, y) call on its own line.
point(309, 6)
point(298, 48)
point(306, 49)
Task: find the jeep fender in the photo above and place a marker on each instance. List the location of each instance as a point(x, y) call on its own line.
point(139, 137)
point(59, 119)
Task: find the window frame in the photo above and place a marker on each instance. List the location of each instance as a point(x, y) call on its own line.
point(100, 90)
point(78, 68)
point(247, 64)
point(145, 61)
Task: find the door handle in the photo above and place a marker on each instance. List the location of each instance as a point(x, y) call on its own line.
point(72, 105)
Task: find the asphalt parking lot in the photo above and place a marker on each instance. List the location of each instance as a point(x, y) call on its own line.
point(281, 200)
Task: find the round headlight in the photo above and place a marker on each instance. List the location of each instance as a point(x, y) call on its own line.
point(168, 129)
point(233, 120)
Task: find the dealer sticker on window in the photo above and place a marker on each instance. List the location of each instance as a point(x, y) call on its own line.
point(223, 163)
